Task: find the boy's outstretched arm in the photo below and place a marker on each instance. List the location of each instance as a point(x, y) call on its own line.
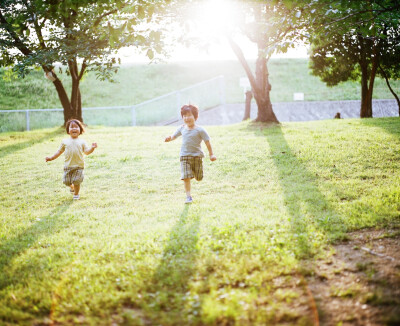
point(90, 151)
point(210, 151)
point(57, 154)
point(169, 138)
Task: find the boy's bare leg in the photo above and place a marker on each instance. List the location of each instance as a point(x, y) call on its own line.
point(77, 187)
point(186, 182)
point(72, 188)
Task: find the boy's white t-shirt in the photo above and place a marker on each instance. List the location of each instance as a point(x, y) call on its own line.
point(73, 150)
point(191, 140)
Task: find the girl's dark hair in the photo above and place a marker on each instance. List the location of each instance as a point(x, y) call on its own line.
point(80, 125)
point(190, 108)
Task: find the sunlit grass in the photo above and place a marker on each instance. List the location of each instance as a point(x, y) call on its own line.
point(131, 252)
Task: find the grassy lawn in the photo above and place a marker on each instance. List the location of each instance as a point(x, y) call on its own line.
point(130, 252)
point(141, 82)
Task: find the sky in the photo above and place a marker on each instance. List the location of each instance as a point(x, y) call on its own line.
point(210, 20)
point(220, 51)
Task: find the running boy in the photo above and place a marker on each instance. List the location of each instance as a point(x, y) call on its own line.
point(74, 149)
point(191, 155)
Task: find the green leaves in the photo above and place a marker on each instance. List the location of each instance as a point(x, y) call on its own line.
point(78, 28)
point(141, 13)
point(140, 39)
point(150, 54)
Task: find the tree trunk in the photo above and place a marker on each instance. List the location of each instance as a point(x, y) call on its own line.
point(262, 93)
point(366, 100)
point(75, 98)
point(79, 107)
point(247, 108)
point(390, 88)
point(62, 95)
point(75, 92)
point(366, 105)
point(261, 87)
point(265, 112)
point(375, 63)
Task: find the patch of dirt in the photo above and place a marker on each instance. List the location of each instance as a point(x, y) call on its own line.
point(359, 284)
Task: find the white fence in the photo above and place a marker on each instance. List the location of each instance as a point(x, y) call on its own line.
point(206, 94)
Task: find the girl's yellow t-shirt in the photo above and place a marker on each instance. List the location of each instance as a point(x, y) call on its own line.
point(73, 151)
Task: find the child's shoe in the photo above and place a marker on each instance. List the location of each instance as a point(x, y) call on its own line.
point(76, 197)
point(189, 200)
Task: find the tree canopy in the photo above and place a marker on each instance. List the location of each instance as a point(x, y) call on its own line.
point(83, 35)
point(273, 26)
point(351, 40)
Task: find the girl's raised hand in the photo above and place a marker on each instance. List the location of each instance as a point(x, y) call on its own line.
point(94, 145)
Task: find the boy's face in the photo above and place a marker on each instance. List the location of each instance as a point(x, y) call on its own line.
point(188, 119)
point(74, 130)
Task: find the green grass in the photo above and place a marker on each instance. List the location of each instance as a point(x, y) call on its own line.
point(131, 253)
point(140, 82)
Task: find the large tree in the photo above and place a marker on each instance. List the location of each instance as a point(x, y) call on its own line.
point(83, 35)
point(272, 25)
point(356, 41)
point(371, 26)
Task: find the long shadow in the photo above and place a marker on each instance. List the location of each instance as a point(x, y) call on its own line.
point(171, 278)
point(307, 207)
point(9, 149)
point(23, 241)
point(390, 125)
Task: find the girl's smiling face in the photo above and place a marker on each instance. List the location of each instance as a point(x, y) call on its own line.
point(74, 130)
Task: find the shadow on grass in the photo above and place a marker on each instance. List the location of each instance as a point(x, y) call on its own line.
point(390, 125)
point(25, 239)
point(307, 207)
point(170, 281)
point(9, 149)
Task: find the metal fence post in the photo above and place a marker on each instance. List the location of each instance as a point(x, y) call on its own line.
point(222, 90)
point(27, 120)
point(178, 103)
point(133, 111)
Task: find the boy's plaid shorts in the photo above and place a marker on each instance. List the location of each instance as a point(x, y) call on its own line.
point(191, 167)
point(73, 176)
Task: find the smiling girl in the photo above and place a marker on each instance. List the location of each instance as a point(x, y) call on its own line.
point(74, 148)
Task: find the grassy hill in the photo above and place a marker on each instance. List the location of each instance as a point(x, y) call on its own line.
point(137, 83)
point(130, 252)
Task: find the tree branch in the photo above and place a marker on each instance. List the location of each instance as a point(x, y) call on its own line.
point(239, 53)
point(390, 88)
point(82, 70)
point(99, 19)
point(35, 23)
point(362, 12)
point(72, 70)
point(17, 41)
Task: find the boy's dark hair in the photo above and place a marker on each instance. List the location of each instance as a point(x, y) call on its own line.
point(190, 108)
point(80, 125)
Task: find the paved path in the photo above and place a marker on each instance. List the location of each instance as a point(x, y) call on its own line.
point(294, 111)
